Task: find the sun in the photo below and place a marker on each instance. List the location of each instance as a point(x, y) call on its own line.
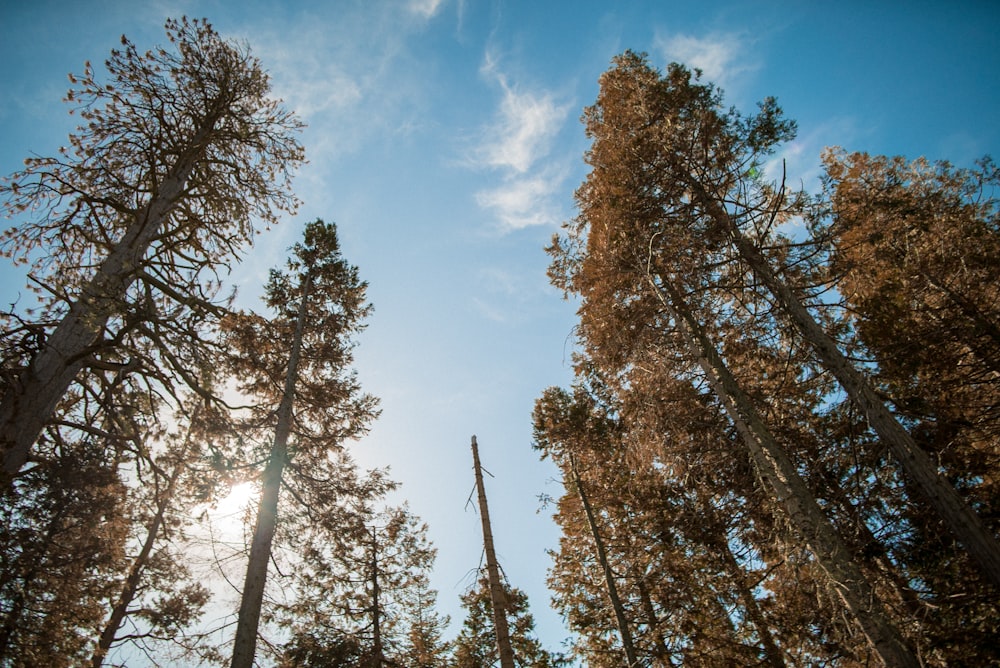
point(229, 512)
point(239, 497)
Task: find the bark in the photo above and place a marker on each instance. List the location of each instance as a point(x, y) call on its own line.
point(498, 598)
point(779, 474)
point(715, 538)
point(245, 644)
point(378, 658)
point(941, 495)
point(16, 608)
point(609, 577)
point(28, 404)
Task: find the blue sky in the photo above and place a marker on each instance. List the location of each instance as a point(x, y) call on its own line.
point(444, 139)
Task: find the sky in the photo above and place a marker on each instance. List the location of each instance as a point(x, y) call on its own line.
point(444, 139)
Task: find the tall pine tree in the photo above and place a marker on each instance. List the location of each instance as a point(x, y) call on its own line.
point(296, 365)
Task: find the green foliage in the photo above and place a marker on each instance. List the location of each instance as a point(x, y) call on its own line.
point(337, 599)
point(475, 646)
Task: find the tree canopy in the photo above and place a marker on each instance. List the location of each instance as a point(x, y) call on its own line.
point(780, 446)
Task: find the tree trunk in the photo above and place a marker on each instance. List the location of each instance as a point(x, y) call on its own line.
point(245, 644)
point(378, 658)
point(780, 475)
point(497, 596)
point(131, 585)
point(715, 539)
point(958, 516)
point(15, 608)
point(609, 577)
point(30, 401)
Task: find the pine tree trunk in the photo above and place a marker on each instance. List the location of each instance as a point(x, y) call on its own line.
point(957, 515)
point(29, 402)
point(245, 644)
point(15, 608)
point(716, 540)
point(378, 658)
point(609, 576)
point(780, 475)
point(498, 598)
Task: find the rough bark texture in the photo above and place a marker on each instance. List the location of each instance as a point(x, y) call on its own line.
point(497, 596)
point(779, 473)
point(245, 644)
point(661, 651)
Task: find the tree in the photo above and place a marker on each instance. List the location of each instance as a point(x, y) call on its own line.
point(708, 158)
point(552, 420)
point(155, 592)
point(912, 249)
point(476, 645)
point(297, 365)
point(181, 154)
point(666, 546)
point(366, 587)
point(650, 258)
point(425, 646)
point(609, 575)
point(498, 600)
point(62, 543)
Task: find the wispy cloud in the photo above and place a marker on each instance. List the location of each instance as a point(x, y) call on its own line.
point(722, 57)
point(347, 84)
point(314, 86)
point(508, 295)
point(516, 145)
point(425, 8)
point(527, 123)
point(521, 202)
point(490, 312)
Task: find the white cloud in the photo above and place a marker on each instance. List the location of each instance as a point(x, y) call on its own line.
point(425, 8)
point(350, 74)
point(527, 123)
point(524, 201)
point(517, 144)
point(489, 311)
point(799, 161)
point(319, 90)
point(720, 56)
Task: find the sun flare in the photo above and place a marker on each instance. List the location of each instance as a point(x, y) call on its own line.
point(240, 496)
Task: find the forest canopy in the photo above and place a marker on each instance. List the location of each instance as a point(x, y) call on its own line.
point(781, 445)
